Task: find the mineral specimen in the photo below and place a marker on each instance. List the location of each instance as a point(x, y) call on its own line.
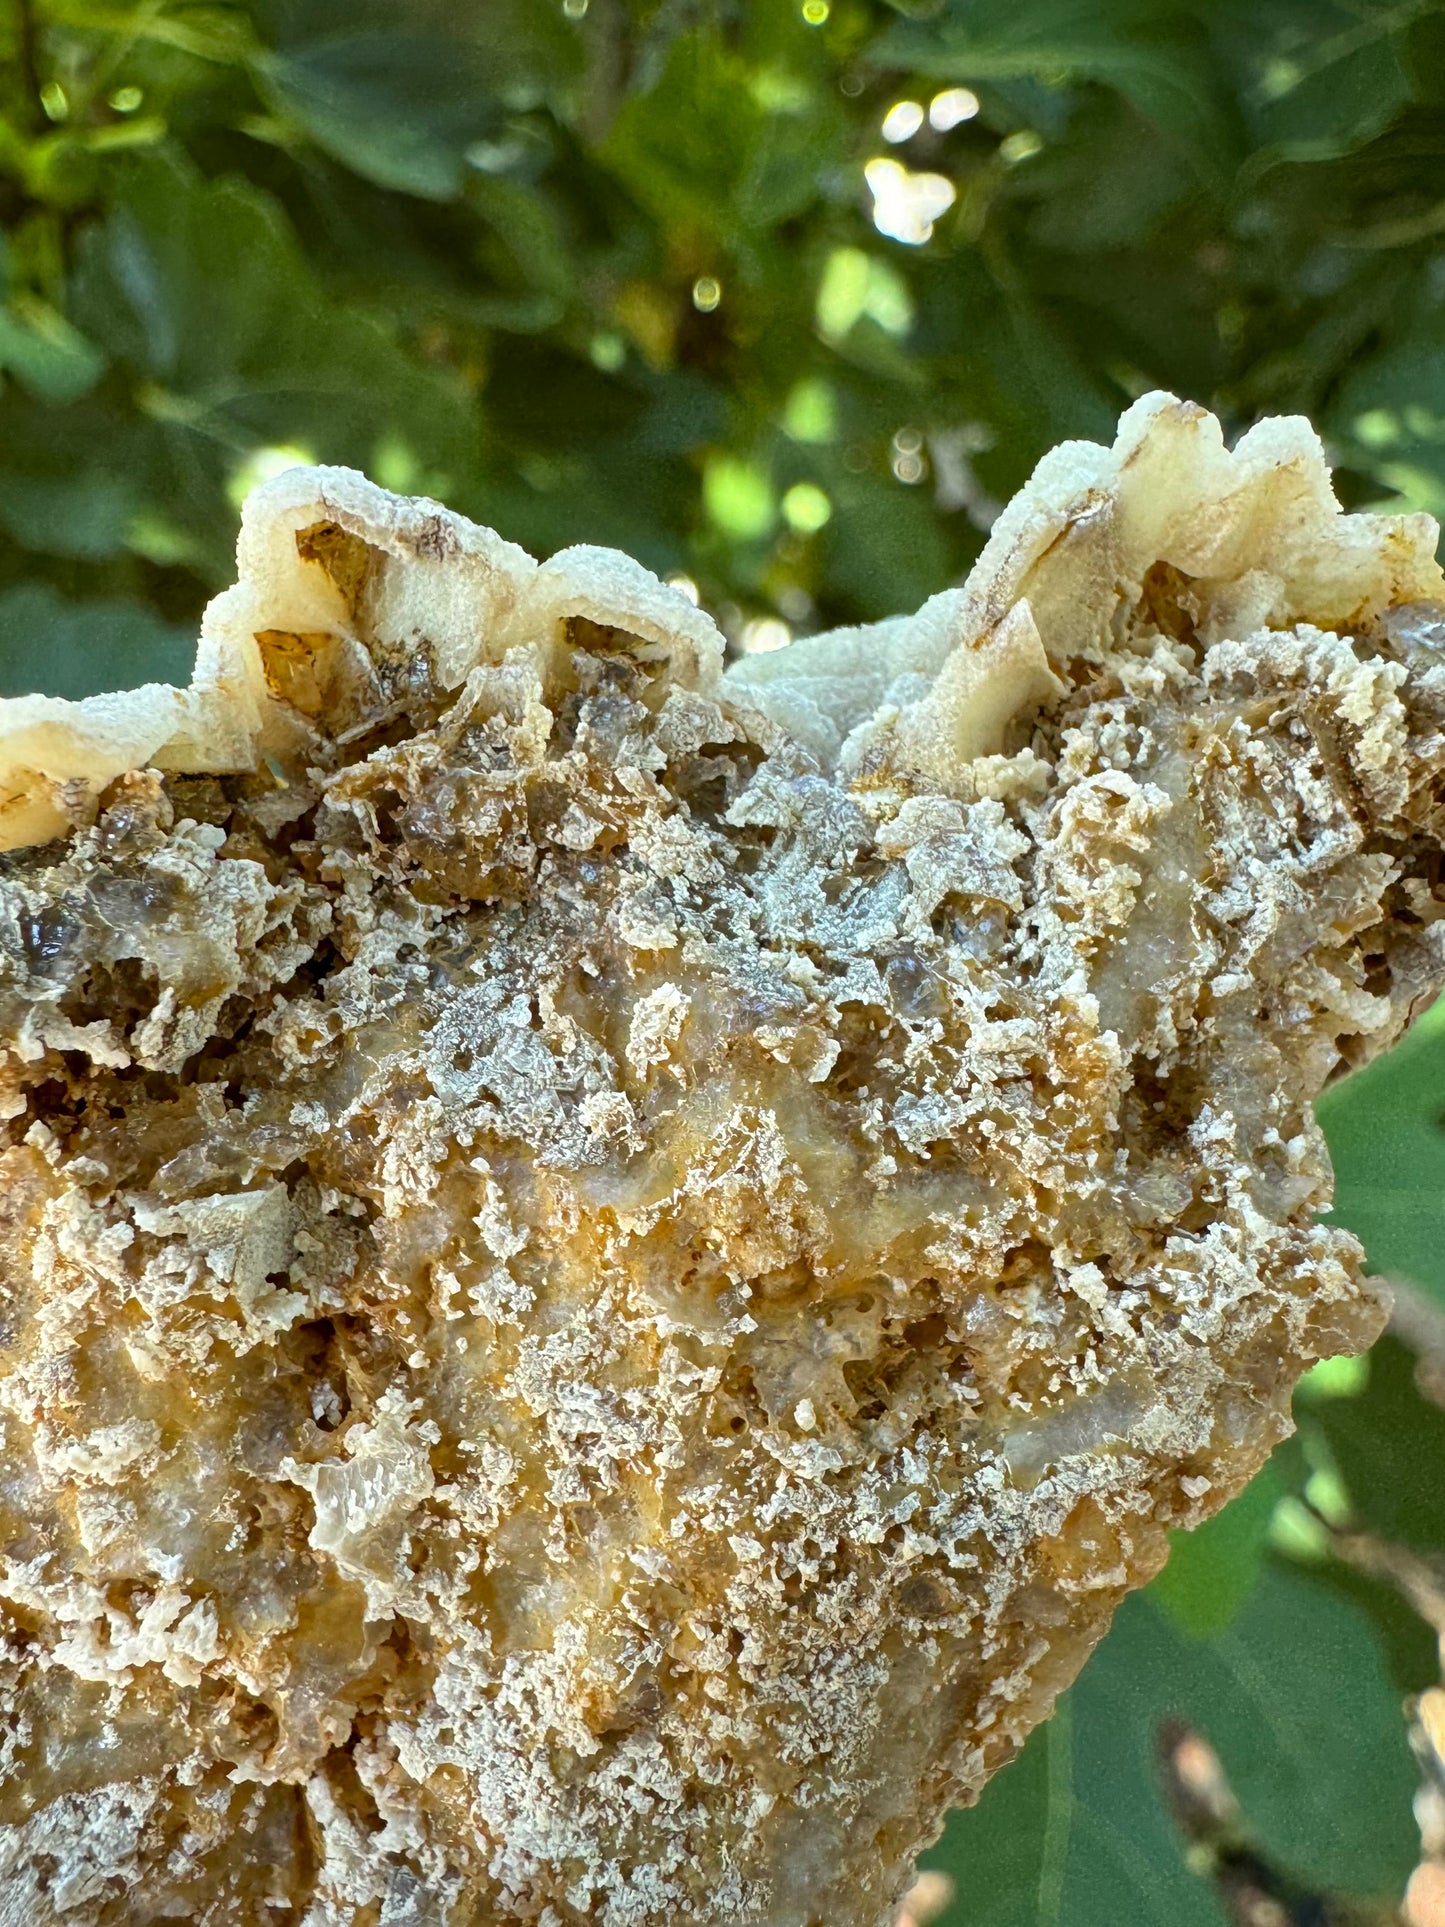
point(609, 1269)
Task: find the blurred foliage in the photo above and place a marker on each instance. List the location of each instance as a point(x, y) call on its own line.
point(609, 270)
point(1081, 1830)
point(621, 271)
point(1384, 1131)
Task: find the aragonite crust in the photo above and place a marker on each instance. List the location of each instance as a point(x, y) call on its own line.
point(609, 1269)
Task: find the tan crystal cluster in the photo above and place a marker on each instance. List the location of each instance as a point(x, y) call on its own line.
point(608, 1269)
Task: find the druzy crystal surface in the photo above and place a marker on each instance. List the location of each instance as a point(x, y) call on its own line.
point(607, 1270)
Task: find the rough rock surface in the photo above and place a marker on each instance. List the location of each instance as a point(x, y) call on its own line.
point(607, 1271)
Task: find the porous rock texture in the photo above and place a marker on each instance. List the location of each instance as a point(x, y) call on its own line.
point(609, 1269)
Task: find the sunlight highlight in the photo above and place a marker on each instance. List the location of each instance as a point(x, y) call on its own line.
point(263, 465)
point(763, 634)
point(902, 121)
point(953, 105)
point(905, 204)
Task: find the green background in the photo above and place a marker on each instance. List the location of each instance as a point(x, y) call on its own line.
point(611, 272)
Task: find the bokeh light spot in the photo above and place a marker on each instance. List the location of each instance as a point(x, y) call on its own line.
point(738, 498)
point(811, 411)
point(902, 121)
point(1377, 428)
point(264, 464)
point(1021, 146)
point(854, 284)
point(1335, 1378)
point(906, 456)
point(806, 508)
point(953, 105)
point(764, 634)
point(905, 204)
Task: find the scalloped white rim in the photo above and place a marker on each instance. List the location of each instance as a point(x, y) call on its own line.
point(1258, 526)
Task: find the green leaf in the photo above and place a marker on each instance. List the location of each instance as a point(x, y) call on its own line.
point(1075, 1833)
point(1109, 186)
point(1383, 1125)
point(1408, 1646)
point(1318, 77)
point(527, 225)
point(1213, 1570)
point(1009, 1854)
point(46, 352)
point(1421, 49)
point(52, 647)
point(85, 513)
point(399, 108)
point(1388, 1445)
point(71, 479)
point(1295, 1697)
point(882, 546)
point(1149, 52)
point(723, 149)
point(1337, 103)
point(198, 289)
